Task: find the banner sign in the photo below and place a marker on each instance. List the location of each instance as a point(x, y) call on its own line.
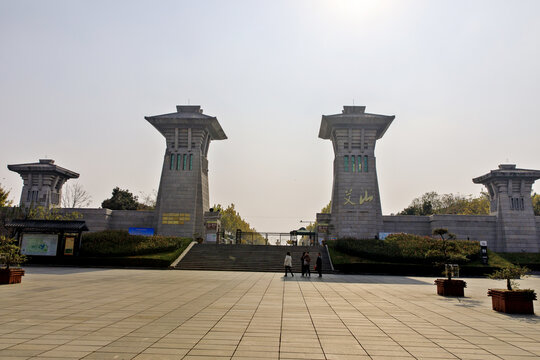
point(39, 244)
point(70, 244)
point(141, 231)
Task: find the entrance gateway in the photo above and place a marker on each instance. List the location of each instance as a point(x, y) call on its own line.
point(183, 202)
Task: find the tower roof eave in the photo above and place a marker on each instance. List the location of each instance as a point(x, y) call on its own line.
point(505, 172)
point(41, 167)
point(377, 122)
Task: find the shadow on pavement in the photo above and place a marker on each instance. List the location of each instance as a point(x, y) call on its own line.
point(361, 279)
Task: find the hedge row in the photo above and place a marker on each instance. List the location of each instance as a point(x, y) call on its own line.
point(411, 249)
point(111, 243)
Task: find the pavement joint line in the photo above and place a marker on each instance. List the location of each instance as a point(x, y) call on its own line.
point(129, 313)
point(479, 330)
point(189, 301)
point(311, 318)
point(414, 330)
point(344, 324)
point(255, 312)
point(225, 313)
point(281, 320)
point(382, 330)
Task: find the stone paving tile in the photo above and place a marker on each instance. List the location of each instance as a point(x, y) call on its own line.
point(148, 314)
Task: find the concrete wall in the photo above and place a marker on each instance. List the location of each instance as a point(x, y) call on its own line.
point(474, 227)
point(105, 219)
point(407, 224)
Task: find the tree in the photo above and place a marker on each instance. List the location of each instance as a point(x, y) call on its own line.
point(231, 221)
point(10, 252)
point(536, 204)
point(510, 274)
point(148, 201)
point(432, 203)
point(121, 200)
point(325, 210)
point(4, 197)
point(74, 196)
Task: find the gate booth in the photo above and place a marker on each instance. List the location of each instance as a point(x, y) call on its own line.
point(48, 237)
point(307, 238)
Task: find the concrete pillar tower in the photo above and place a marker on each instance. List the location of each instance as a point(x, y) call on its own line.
point(42, 183)
point(510, 200)
point(356, 205)
point(183, 189)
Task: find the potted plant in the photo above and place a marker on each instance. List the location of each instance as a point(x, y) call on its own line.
point(10, 255)
point(512, 300)
point(449, 286)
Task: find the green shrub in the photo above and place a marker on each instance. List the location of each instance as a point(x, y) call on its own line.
point(120, 243)
point(407, 248)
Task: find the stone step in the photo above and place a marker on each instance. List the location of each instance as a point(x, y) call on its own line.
point(263, 258)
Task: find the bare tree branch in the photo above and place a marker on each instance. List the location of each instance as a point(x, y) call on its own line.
point(74, 196)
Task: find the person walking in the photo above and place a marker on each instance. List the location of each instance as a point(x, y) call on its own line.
point(288, 264)
point(302, 266)
point(307, 260)
point(318, 264)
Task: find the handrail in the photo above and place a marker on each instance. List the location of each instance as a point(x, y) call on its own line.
point(184, 253)
point(329, 257)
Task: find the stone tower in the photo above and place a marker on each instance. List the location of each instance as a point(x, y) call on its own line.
point(356, 205)
point(183, 189)
point(510, 200)
point(42, 183)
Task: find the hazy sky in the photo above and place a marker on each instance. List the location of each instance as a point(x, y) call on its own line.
point(461, 77)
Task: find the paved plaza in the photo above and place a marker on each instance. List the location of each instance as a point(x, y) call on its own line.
point(160, 314)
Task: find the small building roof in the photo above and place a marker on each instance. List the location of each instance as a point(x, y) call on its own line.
point(44, 165)
point(507, 171)
point(188, 116)
point(354, 116)
point(48, 225)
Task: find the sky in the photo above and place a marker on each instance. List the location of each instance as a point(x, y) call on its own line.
point(461, 77)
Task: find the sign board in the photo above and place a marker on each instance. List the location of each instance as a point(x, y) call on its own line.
point(211, 225)
point(39, 244)
point(141, 231)
point(211, 238)
point(483, 252)
point(70, 244)
point(383, 235)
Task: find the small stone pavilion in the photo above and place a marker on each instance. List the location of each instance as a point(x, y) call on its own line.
point(42, 183)
point(509, 191)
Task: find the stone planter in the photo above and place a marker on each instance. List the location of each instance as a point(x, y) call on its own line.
point(447, 287)
point(512, 301)
point(11, 276)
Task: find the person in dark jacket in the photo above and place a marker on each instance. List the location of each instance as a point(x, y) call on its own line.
point(302, 266)
point(319, 265)
point(307, 261)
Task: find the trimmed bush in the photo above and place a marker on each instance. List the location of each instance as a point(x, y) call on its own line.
point(411, 249)
point(111, 243)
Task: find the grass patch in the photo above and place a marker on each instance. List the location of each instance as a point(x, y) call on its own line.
point(409, 255)
point(114, 243)
point(410, 249)
point(119, 249)
point(530, 260)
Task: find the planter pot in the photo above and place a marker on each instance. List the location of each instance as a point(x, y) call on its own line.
point(447, 287)
point(512, 301)
point(11, 276)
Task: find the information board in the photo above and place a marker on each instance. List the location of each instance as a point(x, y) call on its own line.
point(141, 231)
point(39, 244)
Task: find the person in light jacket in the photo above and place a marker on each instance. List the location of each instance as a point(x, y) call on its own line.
point(288, 264)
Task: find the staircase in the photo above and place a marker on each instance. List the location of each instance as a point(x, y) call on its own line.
point(265, 258)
